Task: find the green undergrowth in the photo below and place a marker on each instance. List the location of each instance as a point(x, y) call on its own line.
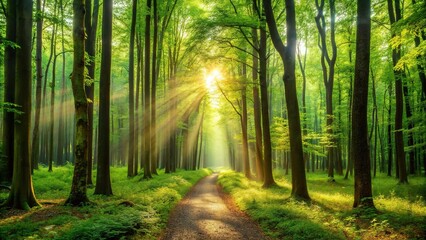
point(401, 209)
point(139, 208)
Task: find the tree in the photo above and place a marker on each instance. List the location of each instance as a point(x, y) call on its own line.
point(103, 179)
point(39, 79)
point(21, 195)
point(360, 151)
point(131, 161)
point(394, 10)
point(287, 54)
point(91, 25)
point(147, 99)
point(78, 194)
point(6, 163)
point(328, 76)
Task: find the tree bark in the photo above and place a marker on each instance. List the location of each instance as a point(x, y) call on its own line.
point(103, 179)
point(154, 149)
point(360, 152)
point(78, 195)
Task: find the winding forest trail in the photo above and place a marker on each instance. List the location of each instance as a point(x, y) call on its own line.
point(203, 214)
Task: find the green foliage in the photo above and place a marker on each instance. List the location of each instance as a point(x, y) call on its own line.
point(138, 208)
point(401, 208)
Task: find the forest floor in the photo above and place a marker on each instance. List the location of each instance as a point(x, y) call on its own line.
point(207, 213)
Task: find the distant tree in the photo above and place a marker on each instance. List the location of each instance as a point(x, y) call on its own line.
point(6, 162)
point(103, 179)
point(78, 194)
point(288, 57)
point(360, 151)
point(21, 195)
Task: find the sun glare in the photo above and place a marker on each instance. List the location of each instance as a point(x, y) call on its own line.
point(211, 78)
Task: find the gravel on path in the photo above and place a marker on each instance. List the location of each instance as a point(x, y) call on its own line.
point(203, 214)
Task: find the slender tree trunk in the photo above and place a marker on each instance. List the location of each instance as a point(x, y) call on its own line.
point(147, 94)
point(267, 145)
point(52, 110)
point(39, 78)
point(389, 130)
point(131, 153)
point(244, 119)
point(363, 196)
point(154, 149)
point(328, 78)
point(103, 179)
point(61, 129)
point(350, 165)
point(91, 24)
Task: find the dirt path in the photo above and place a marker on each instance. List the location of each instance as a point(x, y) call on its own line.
point(203, 214)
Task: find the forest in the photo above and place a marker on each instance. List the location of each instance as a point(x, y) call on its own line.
point(237, 119)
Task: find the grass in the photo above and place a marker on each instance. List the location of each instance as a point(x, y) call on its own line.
point(139, 208)
point(401, 208)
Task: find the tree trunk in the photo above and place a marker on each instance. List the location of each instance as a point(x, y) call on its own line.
point(52, 110)
point(91, 24)
point(78, 195)
point(267, 145)
point(360, 153)
point(131, 153)
point(39, 79)
point(396, 55)
point(287, 53)
point(21, 195)
point(103, 179)
point(257, 108)
point(244, 119)
point(154, 149)
point(328, 78)
point(147, 94)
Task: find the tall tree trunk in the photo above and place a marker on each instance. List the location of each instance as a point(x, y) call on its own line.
point(91, 24)
point(103, 179)
point(61, 129)
point(154, 149)
point(267, 145)
point(287, 53)
point(138, 92)
point(21, 195)
point(147, 94)
point(363, 196)
point(302, 66)
point(244, 119)
point(39, 79)
point(394, 16)
point(328, 78)
point(131, 154)
point(389, 130)
point(257, 107)
point(52, 110)
point(78, 195)
point(350, 165)
point(409, 114)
